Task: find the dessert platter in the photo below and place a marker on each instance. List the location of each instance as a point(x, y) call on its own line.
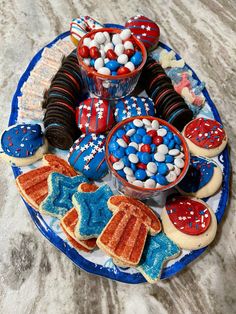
point(118, 151)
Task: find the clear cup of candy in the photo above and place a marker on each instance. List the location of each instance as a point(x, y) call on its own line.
point(115, 79)
point(146, 157)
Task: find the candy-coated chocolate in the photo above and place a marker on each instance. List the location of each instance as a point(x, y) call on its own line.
point(94, 52)
point(137, 58)
point(123, 70)
point(145, 30)
point(84, 52)
point(111, 54)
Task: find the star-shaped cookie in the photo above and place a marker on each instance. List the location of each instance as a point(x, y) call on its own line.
point(60, 191)
point(93, 212)
point(158, 250)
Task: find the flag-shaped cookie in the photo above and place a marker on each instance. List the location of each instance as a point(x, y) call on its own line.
point(68, 223)
point(124, 236)
point(33, 184)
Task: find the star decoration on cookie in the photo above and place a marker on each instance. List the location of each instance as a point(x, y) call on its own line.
point(158, 250)
point(60, 191)
point(93, 211)
point(168, 60)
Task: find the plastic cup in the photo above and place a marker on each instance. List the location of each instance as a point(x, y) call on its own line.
point(108, 86)
point(129, 189)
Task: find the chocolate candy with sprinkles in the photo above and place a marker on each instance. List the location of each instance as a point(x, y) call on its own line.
point(146, 30)
point(94, 115)
point(131, 106)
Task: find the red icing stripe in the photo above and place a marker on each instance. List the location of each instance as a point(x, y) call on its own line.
point(188, 216)
point(205, 133)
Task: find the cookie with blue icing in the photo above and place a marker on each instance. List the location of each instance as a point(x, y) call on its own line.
point(133, 106)
point(93, 212)
point(60, 191)
point(87, 155)
point(157, 251)
point(23, 144)
point(203, 179)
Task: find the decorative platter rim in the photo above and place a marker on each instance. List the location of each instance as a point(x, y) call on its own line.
point(70, 252)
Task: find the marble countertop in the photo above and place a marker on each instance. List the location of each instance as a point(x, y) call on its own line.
point(34, 276)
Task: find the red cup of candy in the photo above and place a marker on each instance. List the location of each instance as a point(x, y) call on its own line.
point(111, 61)
point(146, 156)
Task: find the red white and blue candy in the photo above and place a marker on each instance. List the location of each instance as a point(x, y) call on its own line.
point(205, 133)
point(188, 216)
point(131, 106)
point(22, 140)
point(111, 54)
point(199, 174)
point(94, 115)
point(87, 155)
point(146, 153)
point(145, 30)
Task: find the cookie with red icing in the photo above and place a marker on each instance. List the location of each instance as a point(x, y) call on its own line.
point(189, 222)
point(205, 137)
point(145, 30)
point(94, 115)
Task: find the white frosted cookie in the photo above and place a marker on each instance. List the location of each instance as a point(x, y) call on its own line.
point(23, 144)
point(189, 222)
point(203, 179)
point(205, 137)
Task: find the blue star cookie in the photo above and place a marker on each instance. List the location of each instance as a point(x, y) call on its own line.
point(87, 155)
point(60, 191)
point(93, 211)
point(158, 249)
point(133, 106)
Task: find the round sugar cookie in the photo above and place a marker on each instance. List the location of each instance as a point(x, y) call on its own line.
point(23, 144)
point(189, 222)
point(203, 179)
point(205, 137)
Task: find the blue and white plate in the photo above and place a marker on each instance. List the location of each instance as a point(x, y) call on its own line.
point(97, 262)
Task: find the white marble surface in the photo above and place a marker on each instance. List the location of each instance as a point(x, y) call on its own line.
point(34, 276)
